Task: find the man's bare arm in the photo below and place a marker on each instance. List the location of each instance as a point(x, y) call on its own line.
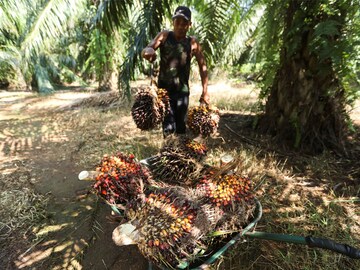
point(149, 51)
point(196, 49)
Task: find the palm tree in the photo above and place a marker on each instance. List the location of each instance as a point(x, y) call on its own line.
point(29, 30)
point(308, 83)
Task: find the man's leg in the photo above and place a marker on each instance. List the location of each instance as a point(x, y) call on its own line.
point(169, 125)
point(182, 105)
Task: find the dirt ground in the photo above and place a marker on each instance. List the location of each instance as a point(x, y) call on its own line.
point(44, 155)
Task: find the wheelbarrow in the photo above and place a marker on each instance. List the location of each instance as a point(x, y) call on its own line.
point(250, 232)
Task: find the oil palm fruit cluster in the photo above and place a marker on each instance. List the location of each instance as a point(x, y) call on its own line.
point(120, 178)
point(203, 120)
point(231, 194)
point(163, 102)
point(174, 167)
point(178, 161)
point(188, 147)
point(236, 217)
point(195, 149)
point(170, 226)
point(223, 190)
point(150, 107)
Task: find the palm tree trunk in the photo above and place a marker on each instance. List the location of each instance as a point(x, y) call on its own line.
point(305, 107)
point(108, 82)
point(21, 83)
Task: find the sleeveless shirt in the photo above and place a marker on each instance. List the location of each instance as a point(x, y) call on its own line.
point(175, 57)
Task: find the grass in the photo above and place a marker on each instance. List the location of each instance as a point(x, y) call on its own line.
point(296, 191)
point(117, 133)
point(21, 210)
point(295, 194)
point(290, 207)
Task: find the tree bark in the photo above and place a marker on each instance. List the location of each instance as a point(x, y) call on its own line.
point(306, 105)
point(108, 82)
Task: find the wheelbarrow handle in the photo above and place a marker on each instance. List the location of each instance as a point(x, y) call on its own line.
point(334, 246)
point(309, 241)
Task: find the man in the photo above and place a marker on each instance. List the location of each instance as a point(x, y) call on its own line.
point(176, 51)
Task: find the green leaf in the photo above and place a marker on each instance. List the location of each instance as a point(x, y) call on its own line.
point(327, 28)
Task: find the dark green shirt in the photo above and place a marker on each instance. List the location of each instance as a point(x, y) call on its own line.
point(175, 57)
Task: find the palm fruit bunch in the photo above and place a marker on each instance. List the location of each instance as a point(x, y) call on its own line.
point(178, 161)
point(174, 168)
point(163, 102)
point(120, 178)
point(203, 120)
point(232, 194)
point(169, 225)
point(150, 107)
point(195, 149)
point(226, 189)
point(185, 145)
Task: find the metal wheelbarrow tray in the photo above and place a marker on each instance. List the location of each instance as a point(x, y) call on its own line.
point(250, 232)
point(205, 261)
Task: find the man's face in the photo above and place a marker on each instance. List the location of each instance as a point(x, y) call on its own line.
point(181, 26)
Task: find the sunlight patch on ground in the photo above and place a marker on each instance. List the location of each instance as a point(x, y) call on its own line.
point(59, 100)
point(292, 208)
point(51, 228)
point(32, 103)
point(227, 97)
point(40, 255)
point(16, 140)
point(8, 170)
point(217, 90)
point(224, 89)
point(12, 96)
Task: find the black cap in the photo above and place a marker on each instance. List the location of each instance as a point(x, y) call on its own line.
point(182, 11)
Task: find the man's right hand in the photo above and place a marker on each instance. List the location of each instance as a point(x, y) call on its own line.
point(205, 99)
point(149, 54)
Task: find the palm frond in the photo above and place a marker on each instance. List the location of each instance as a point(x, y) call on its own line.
point(111, 14)
point(33, 27)
point(270, 27)
point(49, 24)
point(217, 15)
point(240, 41)
point(62, 67)
point(11, 56)
point(145, 25)
point(6, 26)
point(14, 16)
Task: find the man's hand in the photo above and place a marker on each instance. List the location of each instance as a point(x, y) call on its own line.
point(149, 54)
point(205, 98)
